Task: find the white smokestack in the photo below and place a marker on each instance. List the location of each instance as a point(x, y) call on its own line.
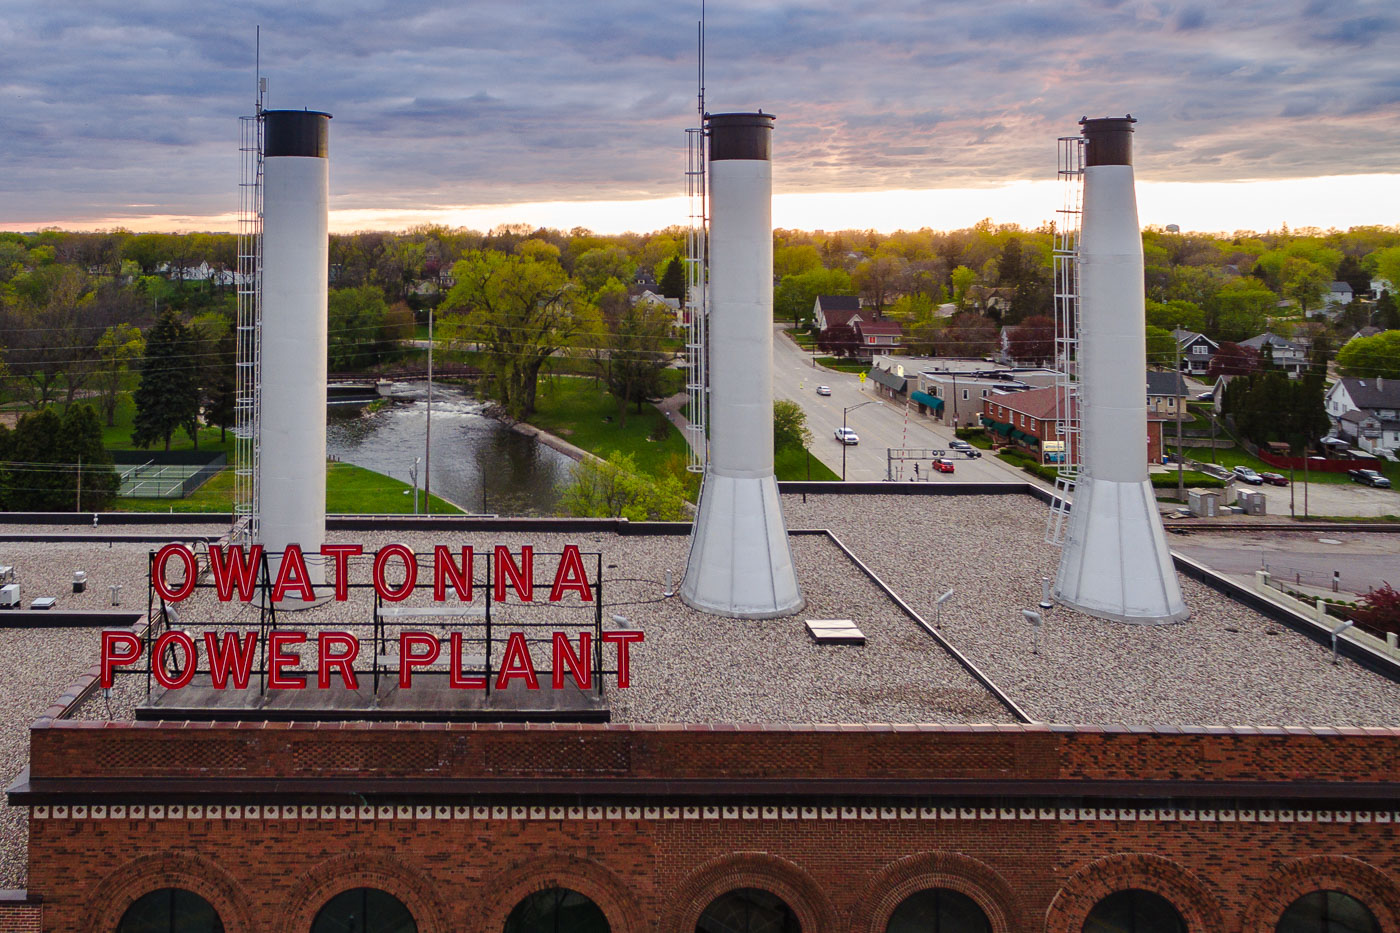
point(292, 460)
point(1115, 563)
point(740, 564)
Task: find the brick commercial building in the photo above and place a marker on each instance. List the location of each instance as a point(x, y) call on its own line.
point(1028, 419)
point(945, 771)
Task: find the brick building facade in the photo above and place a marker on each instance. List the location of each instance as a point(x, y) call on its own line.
point(1028, 418)
point(460, 822)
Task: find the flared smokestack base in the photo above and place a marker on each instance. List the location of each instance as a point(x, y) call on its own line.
point(1115, 563)
point(740, 564)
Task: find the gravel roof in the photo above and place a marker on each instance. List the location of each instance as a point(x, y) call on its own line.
point(1225, 665)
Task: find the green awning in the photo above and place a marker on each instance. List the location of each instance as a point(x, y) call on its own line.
point(1002, 429)
point(1024, 438)
point(923, 398)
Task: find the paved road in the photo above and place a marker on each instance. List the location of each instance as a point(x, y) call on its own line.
point(1364, 560)
point(879, 426)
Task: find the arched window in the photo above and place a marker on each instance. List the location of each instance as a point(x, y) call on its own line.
point(364, 910)
point(1327, 912)
point(748, 910)
point(1134, 912)
point(938, 910)
point(171, 910)
point(556, 910)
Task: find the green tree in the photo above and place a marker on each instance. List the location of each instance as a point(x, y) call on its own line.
point(168, 397)
point(796, 295)
point(1368, 357)
point(1386, 263)
point(355, 317)
point(518, 311)
point(635, 352)
point(1176, 314)
point(616, 489)
point(1161, 347)
point(1242, 308)
point(1305, 282)
point(1387, 316)
point(962, 278)
point(673, 279)
point(596, 266)
point(789, 426)
point(117, 349)
point(53, 456)
point(795, 260)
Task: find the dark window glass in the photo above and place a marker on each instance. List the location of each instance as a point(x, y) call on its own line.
point(938, 910)
point(171, 910)
point(748, 910)
point(556, 910)
point(1134, 912)
point(1327, 912)
point(364, 910)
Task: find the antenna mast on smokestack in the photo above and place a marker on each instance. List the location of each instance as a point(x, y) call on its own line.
point(248, 283)
point(696, 273)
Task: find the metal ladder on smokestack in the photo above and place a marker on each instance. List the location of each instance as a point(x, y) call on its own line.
point(697, 243)
point(248, 369)
point(1066, 271)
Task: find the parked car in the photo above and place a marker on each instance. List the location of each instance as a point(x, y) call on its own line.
point(1245, 475)
point(847, 436)
point(1274, 479)
point(1206, 397)
point(943, 465)
point(823, 390)
point(959, 444)
point(1369, 478)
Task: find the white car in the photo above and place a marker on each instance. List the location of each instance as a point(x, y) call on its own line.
point(1245, 475)
point(823, 390)
point(847, 436)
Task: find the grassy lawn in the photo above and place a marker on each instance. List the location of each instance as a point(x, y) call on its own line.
point(349, 490)
point(118, 437)
point(585, 414)
point(792, 464)
point(842, 365)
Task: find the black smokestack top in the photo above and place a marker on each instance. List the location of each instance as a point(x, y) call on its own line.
point(296, 133)
point(1109, 140)
point(740, 136)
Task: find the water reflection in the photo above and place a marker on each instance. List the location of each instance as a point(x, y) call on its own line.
point(477, 463)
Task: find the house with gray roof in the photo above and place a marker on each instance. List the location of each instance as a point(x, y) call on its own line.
point(1196, 351)
point(1286, 355)
point(1366, 412)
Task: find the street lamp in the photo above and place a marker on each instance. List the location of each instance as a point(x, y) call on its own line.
point(844, 445)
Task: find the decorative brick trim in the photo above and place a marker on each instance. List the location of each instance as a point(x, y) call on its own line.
point(173, 869)
point(1102, 877)
point(966, 875)
point(1297, 877)
point(509, 887)
point(788, 880)
point(928, 810)
point(359, 869)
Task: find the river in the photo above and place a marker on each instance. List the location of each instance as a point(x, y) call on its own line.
point(478, 463)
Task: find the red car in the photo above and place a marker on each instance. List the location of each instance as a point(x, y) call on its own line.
point(943, 466)
point(1274, 479)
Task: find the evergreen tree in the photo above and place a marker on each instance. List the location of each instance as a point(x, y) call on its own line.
point(93, 481)
point(673, 279)
point(168, 397)
point(1387, 316)
point(219, 388)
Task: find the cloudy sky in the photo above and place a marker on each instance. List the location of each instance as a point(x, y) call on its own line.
point(890, 112)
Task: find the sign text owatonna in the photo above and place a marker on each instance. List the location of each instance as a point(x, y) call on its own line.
point(230, 654)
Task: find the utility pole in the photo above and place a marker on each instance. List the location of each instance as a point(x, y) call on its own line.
point(1179, 391)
